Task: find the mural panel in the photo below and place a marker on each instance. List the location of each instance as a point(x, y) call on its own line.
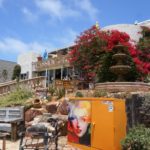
point(79, 122)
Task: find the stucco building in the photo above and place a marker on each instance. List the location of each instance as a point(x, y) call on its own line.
point(25, 61)
point(6, 70)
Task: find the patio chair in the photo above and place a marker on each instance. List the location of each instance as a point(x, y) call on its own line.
point(38, 137)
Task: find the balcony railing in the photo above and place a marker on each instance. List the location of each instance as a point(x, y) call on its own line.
point(51, 63)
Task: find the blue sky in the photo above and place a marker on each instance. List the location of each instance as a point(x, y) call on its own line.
point(37, 25)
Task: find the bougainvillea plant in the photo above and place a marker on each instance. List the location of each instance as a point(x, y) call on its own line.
point(91, 47)
point(88, 51)
point(114, 38)
point(142, 58)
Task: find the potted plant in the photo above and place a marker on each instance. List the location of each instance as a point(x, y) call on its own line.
point(39, 58)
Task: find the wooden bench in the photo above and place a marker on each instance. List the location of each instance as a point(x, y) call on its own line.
point(10, 119)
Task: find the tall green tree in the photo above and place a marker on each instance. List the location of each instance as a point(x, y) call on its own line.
point(16, 72)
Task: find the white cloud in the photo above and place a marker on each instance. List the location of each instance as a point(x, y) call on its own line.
point(55, 8)
point(60, 9)
point(10, 45)
point(16, 46)
point(30, 16)
point(87, 7)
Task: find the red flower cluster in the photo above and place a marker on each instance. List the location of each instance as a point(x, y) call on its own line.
point(88, 47)
point(92, 43)
point(143, 56)
point(115, 37)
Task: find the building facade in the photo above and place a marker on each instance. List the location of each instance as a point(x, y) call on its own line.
point(6, 70)
point(25, 61)
point(57, 65)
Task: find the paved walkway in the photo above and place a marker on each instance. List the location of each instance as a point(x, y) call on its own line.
point(62, 145)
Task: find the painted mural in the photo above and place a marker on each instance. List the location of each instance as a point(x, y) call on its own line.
point(79, 122)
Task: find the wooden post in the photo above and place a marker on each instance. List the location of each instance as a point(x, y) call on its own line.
point(54, 75)
point(4, 143)
point(3, 136)
point(14, 131)
point(61, 73)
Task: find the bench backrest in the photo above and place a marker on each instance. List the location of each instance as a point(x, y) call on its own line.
point(11, 113)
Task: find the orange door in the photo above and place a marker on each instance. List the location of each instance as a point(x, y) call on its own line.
point(120, 123)
point(103, 124)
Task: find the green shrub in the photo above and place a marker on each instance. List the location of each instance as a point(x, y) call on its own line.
point(138, 138)
point(145, 111)
point(104, 74)
point(51, 90)
point(147, 78)
point(17, 97)
point(49, 98)
point(79, 94)
point(16, 72)
point(99, 93)
point(60, 92)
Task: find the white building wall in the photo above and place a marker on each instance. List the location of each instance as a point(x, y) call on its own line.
point(25, 61)
point(131, 30)
point(144, 23)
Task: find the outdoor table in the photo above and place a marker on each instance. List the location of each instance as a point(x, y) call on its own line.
point(13, 123)
point(3, 136)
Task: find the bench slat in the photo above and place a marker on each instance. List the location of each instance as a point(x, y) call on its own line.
point(11, 112)
point(10, 118)
point(5, 127)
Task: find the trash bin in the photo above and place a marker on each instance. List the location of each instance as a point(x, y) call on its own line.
point(96, 123)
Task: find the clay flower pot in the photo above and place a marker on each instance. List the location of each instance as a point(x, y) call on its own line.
point(39, 58)
point(37, 103)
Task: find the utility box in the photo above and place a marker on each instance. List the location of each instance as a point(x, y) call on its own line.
point(96, 123)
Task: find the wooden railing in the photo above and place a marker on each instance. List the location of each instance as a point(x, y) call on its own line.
point(28, 83)
point(52, 63)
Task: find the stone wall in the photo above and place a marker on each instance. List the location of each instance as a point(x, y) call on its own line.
point(37, 83)
point(123, 86)
point(133, 105)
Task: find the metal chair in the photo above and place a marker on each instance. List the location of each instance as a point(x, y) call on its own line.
point(39, 138)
